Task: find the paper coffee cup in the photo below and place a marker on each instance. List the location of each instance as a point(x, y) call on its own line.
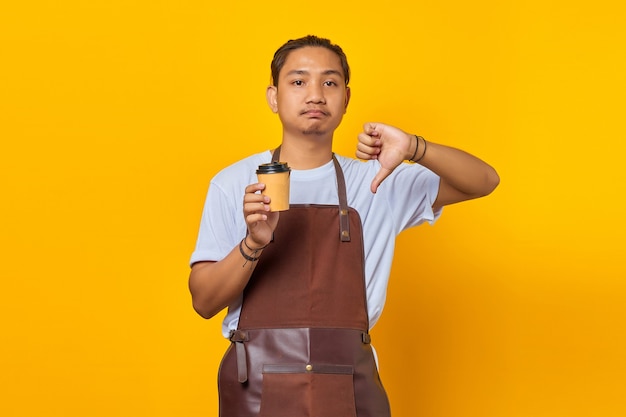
point(275, 176)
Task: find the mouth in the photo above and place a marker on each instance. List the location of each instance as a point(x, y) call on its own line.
point(314, 113)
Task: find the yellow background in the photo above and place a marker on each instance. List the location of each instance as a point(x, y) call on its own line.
point(115, 114)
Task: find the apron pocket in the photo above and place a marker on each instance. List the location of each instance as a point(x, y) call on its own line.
point(308, 390)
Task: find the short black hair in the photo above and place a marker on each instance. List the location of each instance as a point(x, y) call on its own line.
point(280, 56)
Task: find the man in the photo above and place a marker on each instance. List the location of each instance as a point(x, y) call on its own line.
point(304, 286)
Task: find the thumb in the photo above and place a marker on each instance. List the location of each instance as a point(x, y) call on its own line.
point(371, 129)
point(379, 178)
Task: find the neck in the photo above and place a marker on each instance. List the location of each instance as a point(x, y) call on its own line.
point(306, 153)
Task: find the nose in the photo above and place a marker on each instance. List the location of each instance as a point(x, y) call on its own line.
point(315, 94)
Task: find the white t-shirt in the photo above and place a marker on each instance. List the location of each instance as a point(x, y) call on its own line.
point(403, 200)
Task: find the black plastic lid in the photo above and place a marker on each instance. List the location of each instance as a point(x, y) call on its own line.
point(273, 168)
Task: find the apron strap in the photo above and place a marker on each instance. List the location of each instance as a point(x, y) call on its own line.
point(344, 221)
point(238, 337)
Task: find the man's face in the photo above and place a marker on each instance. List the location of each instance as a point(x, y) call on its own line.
point(311, 96)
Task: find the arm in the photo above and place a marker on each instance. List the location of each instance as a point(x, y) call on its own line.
point(462, 176)
point(215, 285)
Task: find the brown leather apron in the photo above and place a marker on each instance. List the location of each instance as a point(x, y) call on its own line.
point(302, 348)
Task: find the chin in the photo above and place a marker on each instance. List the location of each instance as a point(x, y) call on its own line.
point(314, 132)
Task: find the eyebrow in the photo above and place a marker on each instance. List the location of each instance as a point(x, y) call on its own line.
point(305, 72)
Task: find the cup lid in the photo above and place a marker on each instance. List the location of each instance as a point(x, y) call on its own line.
point(273, 168)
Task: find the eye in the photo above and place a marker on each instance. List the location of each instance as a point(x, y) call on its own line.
point(330, 83)
point(298, 83)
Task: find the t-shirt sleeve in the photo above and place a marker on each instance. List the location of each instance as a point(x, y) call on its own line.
point(218, 228)
point(412, 189)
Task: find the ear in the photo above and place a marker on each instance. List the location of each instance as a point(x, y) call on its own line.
point(270, 95)
point(345, 108)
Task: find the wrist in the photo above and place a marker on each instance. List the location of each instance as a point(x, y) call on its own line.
point(420, 149)
point(253, 247)
point(412, 148)
point(251, 257)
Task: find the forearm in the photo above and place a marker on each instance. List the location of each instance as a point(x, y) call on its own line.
point(216, 285)
point(463, 176)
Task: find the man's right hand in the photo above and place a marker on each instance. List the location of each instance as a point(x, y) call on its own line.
point(260, 220)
